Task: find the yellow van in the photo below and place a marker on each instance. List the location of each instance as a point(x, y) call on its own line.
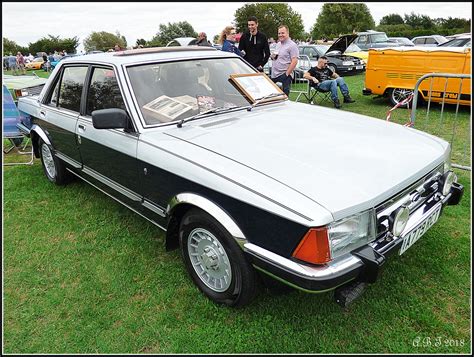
point(393, 73)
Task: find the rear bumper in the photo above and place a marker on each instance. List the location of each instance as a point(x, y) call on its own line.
point(363, 264)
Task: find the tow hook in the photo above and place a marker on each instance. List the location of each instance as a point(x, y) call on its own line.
point(346, 294)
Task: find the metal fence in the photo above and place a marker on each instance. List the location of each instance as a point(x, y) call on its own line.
point(457, 132)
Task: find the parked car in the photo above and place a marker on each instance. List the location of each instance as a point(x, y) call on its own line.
point(429, 41)
point(460, 41)
point(20, 86)
point(54, 63)
point(373, 39)
point(356, 51)
point(243, 181)
point(37, 63)
point(338, 61)
point(182, 41)
point(403, 41)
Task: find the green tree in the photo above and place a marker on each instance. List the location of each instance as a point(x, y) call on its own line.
point(103, 41)
point(270, 16)
point(392, 19)
point(166, 33)
point(341, 18)
point(12, 47)
point(419, 21)
point(141, 42)
point(54, 43)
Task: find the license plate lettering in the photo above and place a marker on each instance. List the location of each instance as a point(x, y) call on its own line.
point(416, 234)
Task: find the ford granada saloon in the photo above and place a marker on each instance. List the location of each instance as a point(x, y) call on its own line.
point(247, 184)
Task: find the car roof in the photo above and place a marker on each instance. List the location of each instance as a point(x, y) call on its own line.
point(141, 55)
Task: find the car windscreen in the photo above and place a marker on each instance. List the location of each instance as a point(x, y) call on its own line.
point(177, 90)
point(353, 48)
point(379, 37)
point(457, 42)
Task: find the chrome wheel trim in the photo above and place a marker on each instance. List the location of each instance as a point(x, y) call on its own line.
point(48, 161)
point(209, 260)
point(400, 94)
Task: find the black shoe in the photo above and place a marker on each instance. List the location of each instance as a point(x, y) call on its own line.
point(348, 99)
point(337, 103)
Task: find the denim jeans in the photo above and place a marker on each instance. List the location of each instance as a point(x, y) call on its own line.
point(332, 84)
point(285, 81)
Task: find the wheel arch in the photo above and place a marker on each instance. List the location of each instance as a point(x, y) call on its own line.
point(36, 133)
point(182, 203)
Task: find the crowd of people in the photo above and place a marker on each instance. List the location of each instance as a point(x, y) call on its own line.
point(256, 49)
point(17, 64)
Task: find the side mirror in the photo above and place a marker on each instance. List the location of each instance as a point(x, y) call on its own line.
point(112, 118)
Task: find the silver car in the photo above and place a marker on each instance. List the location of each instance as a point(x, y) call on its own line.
point(244, 182)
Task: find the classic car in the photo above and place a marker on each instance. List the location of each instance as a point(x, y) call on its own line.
point(243, 181)
point(403, 41)
point(339, 61)
point(37, 63)
point(24, 85)
point(373, 39)
point(429, 41)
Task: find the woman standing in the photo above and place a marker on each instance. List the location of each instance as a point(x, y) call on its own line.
point(227, 39)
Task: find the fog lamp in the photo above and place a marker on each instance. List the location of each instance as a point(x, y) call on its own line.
point(449, 178)
point(400, 220)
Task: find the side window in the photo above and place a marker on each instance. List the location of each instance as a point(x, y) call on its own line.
point(104, 92)
point(419, 41)
point(362, 39)
point(430, 41)
point(70, 89)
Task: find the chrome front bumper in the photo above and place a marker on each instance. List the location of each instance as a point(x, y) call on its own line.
point(363, 264)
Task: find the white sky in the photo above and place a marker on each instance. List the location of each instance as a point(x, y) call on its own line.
point(28, 22)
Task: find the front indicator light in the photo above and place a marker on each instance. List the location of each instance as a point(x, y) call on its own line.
point(314, 247)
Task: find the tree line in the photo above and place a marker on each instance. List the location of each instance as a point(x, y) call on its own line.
point(334, 19)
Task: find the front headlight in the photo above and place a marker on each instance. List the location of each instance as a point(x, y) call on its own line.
point(348, 63)
point(449, 179)
point(351, 233)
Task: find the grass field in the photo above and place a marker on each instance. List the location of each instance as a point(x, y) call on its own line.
point(82, 274)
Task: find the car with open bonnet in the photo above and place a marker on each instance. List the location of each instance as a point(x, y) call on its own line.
point(246, 183)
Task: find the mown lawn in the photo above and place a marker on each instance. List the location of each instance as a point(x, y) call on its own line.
point(82, 274)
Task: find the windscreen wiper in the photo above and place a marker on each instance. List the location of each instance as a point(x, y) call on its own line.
point(199, 115)
point(268, 96)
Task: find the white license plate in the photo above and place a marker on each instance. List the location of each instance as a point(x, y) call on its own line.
point(415, 234)
point(359, 67)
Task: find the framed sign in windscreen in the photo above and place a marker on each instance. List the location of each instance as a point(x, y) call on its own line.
point(257, 86)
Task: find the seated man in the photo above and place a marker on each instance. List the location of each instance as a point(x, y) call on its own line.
point(325, 79)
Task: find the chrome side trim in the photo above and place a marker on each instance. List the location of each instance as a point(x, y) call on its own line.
point(116, 199)
point(214, 210)
point(154, 208)
point(117, 187)
point(325, 272)
point(38, 130)
point(72, 162)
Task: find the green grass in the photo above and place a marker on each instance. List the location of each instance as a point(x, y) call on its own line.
point(30, 72)
point(82, 274)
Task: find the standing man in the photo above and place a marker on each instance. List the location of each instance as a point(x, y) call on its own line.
point(285, 59)
point(202, 40)
point(255, 45)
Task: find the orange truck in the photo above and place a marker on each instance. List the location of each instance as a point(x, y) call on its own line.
point(393, 73)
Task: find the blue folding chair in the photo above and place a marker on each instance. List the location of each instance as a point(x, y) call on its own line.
point(12, 135)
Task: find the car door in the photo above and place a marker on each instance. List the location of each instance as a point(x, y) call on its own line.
point(108, 155)
point(60, 110)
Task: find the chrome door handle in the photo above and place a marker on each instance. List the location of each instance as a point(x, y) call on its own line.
point(42, 113)
point(81, 127)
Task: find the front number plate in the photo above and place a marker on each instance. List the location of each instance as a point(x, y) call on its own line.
point(416, 234)
point(359, 67)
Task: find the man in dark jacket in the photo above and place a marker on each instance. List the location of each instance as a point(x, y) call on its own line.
point(255, 45)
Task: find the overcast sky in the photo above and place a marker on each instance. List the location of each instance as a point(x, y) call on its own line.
point(28, 22)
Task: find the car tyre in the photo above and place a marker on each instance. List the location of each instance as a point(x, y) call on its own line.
point(215, 262)
point(397, 95)
point(53, 168)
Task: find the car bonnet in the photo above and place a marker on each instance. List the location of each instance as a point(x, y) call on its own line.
point(342, 43)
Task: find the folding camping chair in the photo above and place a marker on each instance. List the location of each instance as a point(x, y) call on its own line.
point(312, 94)
point(13, 137)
